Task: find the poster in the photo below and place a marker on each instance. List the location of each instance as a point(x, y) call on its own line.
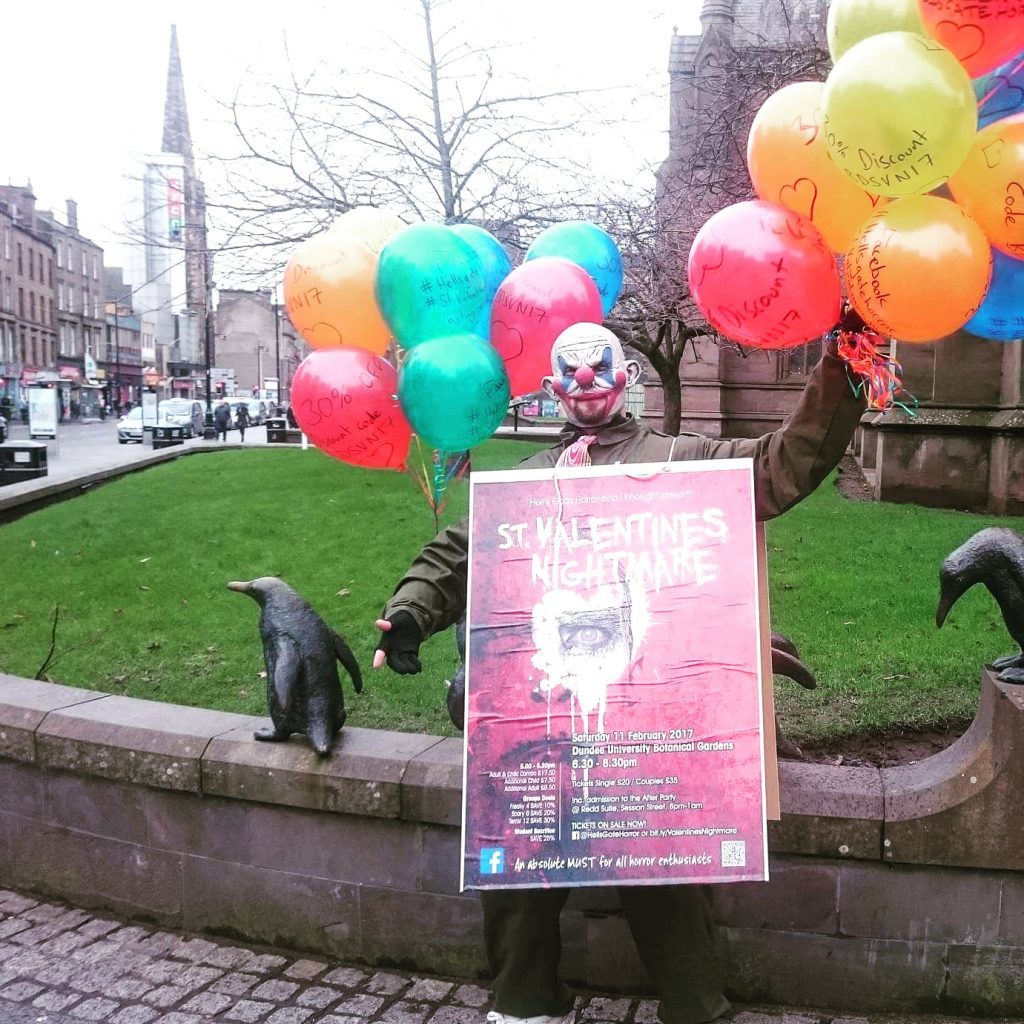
point(149, 410)
point(42, 412)
point(614, 691)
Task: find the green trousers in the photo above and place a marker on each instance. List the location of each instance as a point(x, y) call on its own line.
point(672, 928)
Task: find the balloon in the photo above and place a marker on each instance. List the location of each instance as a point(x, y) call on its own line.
point(344, 401)
point(918, 269)
point(373, 226)
point(899, 114)
point(850, 21)
point(1001, 93)
point(1001, 313)
point(495, 262)
point(454, 391)
point(589, 247)
point(990, 184)
point(534, 304)
point(981, 34)
point(790, 166)
point(763, 276)
point(430, 284)
point(328, 292)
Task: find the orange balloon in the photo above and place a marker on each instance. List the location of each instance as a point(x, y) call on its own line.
point(790, 165)
point(990, 184)
point(329, 293)
point(918, 269)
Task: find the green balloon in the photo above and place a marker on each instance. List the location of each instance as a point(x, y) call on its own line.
point(430, 284)
point(850, 21)
point(454, 391)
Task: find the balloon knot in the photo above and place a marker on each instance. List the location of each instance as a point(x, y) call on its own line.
point(879, 378)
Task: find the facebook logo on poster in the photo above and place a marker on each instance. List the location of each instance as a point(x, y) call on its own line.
point(492, 860)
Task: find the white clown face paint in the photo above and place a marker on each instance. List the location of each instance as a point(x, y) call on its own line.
point(590, 374)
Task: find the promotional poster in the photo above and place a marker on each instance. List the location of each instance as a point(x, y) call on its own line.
point(614, 678)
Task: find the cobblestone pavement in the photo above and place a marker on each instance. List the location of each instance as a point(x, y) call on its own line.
point(62, 965)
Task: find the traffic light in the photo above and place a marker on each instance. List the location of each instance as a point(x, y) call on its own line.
point(220, 388)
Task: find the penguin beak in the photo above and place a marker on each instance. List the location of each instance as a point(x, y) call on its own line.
point(946, 601)
point(242, 588)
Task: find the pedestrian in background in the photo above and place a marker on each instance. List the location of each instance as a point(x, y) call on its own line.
point(242, 419)
point(222, 419)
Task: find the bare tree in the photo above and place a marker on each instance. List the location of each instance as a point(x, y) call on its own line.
point(706, 171)
point(443, 134)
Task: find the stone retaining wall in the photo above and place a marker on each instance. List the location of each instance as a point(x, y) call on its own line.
point(900, 889)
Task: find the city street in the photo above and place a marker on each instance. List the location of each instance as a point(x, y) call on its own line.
point(84, 449)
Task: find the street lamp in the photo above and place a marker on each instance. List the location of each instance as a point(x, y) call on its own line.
point(277, 348)
point(209, 431)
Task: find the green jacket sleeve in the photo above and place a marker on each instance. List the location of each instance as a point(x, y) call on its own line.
point(433, 591)
point(790, 462)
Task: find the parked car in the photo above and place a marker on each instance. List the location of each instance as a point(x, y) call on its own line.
point(3, 429)
point(129, 426)
point(182, 412)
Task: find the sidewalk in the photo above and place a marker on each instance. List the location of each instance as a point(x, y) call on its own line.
point(62, 965)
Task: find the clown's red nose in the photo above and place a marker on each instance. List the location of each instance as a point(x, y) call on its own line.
point(584, 376)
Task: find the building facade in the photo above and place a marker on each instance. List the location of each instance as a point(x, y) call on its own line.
point(254, 338)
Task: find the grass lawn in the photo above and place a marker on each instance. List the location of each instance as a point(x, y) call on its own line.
point(138, 570)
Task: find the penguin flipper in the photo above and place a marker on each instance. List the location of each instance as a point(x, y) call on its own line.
point(344, 654)
point(286, 671)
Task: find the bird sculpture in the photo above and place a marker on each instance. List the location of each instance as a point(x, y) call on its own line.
point(995, 557)
point(301, 653)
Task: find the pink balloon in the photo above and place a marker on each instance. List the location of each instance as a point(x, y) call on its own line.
point(533, 305)
point(763, 276)
point(345, 402)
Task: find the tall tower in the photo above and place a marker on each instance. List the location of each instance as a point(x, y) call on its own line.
point(168, 265)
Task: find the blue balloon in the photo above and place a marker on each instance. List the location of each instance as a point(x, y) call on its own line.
point(495, 262)
point(1000, 93)
point(430, 284)
point(589, 247)
point(1000, 316)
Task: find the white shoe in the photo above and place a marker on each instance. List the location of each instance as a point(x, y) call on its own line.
point(493, 1017)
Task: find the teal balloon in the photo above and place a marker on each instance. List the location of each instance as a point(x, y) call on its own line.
point(454, 391)
point(495, 261)
point(1000, 316)
point(430, 284)
point(589, 247)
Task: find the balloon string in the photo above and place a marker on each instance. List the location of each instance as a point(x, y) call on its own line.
point(995, 88)
point(881, 378)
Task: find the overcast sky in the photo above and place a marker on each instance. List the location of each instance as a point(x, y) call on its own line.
point(84, 85)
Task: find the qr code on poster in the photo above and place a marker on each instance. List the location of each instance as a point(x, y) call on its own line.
point(734, 853)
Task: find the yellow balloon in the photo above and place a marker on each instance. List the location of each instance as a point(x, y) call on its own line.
point(990, 184)
point(918, 269)
point(850, 21)
point(371, 224)
point(899, 114)
point(789, 165)
point(329, 293)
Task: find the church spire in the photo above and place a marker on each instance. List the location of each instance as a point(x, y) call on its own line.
point(177, 137)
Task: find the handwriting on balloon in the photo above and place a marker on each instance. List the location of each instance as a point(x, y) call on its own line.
point(1014, 207)
point(994, 153)
point(805, 196)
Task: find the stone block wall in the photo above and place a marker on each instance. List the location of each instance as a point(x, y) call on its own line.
point(890, 890)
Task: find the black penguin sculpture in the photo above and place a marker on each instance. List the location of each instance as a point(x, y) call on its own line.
point(300, 652)
point(456, 697)
point(995, 557)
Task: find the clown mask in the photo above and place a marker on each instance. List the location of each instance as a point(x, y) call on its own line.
point(590, 374)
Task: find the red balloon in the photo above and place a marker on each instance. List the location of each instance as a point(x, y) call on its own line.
point(533, 305)
point(763, 276)
point(981, 34)
point(345, 401)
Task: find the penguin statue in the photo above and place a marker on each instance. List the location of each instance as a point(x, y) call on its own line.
point(300, 652)
point(995, 557)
